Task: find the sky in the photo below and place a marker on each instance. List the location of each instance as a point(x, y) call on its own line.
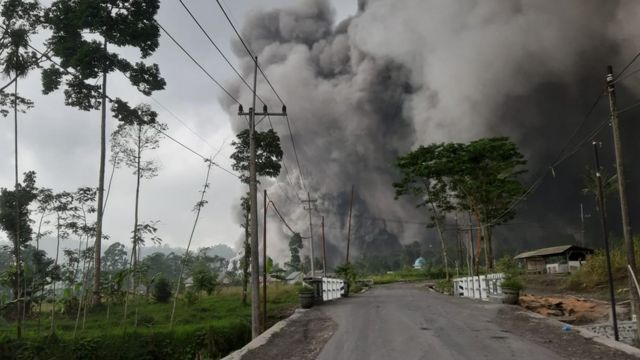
point(62, 144)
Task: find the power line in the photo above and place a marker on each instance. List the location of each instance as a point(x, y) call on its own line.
point(197, 63)
point(560, 158)
point(629, 64)
point(249, 51)
point(181, 121)
point(295, 152)
point(273, 204)
point(218, 48)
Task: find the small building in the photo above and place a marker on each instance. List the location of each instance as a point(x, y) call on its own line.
point(554, 260)
point(420, 263)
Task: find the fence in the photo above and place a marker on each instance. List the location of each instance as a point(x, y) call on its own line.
point(332, 288)
point(478, 287)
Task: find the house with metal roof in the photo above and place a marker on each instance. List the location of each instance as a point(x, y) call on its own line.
point(554, 260)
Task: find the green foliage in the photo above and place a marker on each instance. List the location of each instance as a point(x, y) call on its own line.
point(409, 274)
point(25, 195)
point(305, 289)
point(190, 297)
point(204, 279)
point(268, 154)
point(210, 329)
point(507, 265)
point(347, 273)
point(295, 245)
point(121, 23)
point(162, 290)
point(593, 273)
point(512, 282)
point(115, 257)
point(444, 286)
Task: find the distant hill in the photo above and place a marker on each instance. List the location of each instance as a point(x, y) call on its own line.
point(222, 251)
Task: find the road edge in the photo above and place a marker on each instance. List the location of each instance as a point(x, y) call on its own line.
point(587, 334)
point(264, 337)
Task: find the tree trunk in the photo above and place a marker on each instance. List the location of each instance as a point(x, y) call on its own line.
point(55, 264)
point(103, 140)
point(445, 260)
point(16, 244)
point(488, 247)
point(478, 241)
point(136, 240)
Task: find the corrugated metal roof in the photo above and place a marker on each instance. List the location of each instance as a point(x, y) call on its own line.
point(546, 251)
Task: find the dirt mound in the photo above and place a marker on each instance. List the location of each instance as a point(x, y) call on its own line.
point(568, 308)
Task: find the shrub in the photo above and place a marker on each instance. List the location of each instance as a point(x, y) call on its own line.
point(444, 286)
point(190, 297)
point(162, 290)
point(512, 282)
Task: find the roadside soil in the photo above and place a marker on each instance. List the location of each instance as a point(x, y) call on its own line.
point(548, 295)
point(568, 344)
point(301, 339)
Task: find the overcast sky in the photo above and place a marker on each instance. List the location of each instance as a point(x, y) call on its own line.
point(62, 144)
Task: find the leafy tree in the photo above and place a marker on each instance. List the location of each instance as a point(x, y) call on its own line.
point(115, 258)
point(295, 245)
point(82, 31)
point(268, 154)
point(131, 141)
point(424, 171)
point(268, 157)
point(162, 290)
point(481, 177)
point(204, 279)
point(16, 223)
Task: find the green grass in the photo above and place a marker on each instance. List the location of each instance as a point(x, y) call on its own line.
point(214, 325)
point(406, 275)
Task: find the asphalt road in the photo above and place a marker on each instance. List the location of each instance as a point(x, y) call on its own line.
point(404, 322)
point(408, 322)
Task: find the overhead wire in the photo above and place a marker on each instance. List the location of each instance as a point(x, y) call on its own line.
point(224, 56)
point(159, 130)
point(633, 60)
point(197, 63)
point(560, 158)
point(246, 47)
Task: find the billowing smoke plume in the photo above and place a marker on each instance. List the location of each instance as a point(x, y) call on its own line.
point(403, 73)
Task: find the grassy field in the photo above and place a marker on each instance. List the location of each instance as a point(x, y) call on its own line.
point(214, 325)
point(406, 275)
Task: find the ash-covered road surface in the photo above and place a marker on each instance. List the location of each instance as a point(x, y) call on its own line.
point(405, 321)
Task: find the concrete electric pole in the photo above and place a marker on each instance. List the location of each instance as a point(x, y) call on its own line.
point(622, 188)
point(308, 202)
point(253, 200)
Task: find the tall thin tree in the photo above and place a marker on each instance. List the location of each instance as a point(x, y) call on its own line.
point(20, 20)
point(76, 27)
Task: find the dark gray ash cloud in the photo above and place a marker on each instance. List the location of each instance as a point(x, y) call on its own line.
point(404, 73)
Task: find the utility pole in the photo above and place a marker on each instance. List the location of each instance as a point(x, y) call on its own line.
point(309, 208)
point(582, 225)
point(324, 252)
point(605, 236)
point(253, 201)
point(622, 188)
point(264, 264)
point(349, 226)
point(17, 201)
